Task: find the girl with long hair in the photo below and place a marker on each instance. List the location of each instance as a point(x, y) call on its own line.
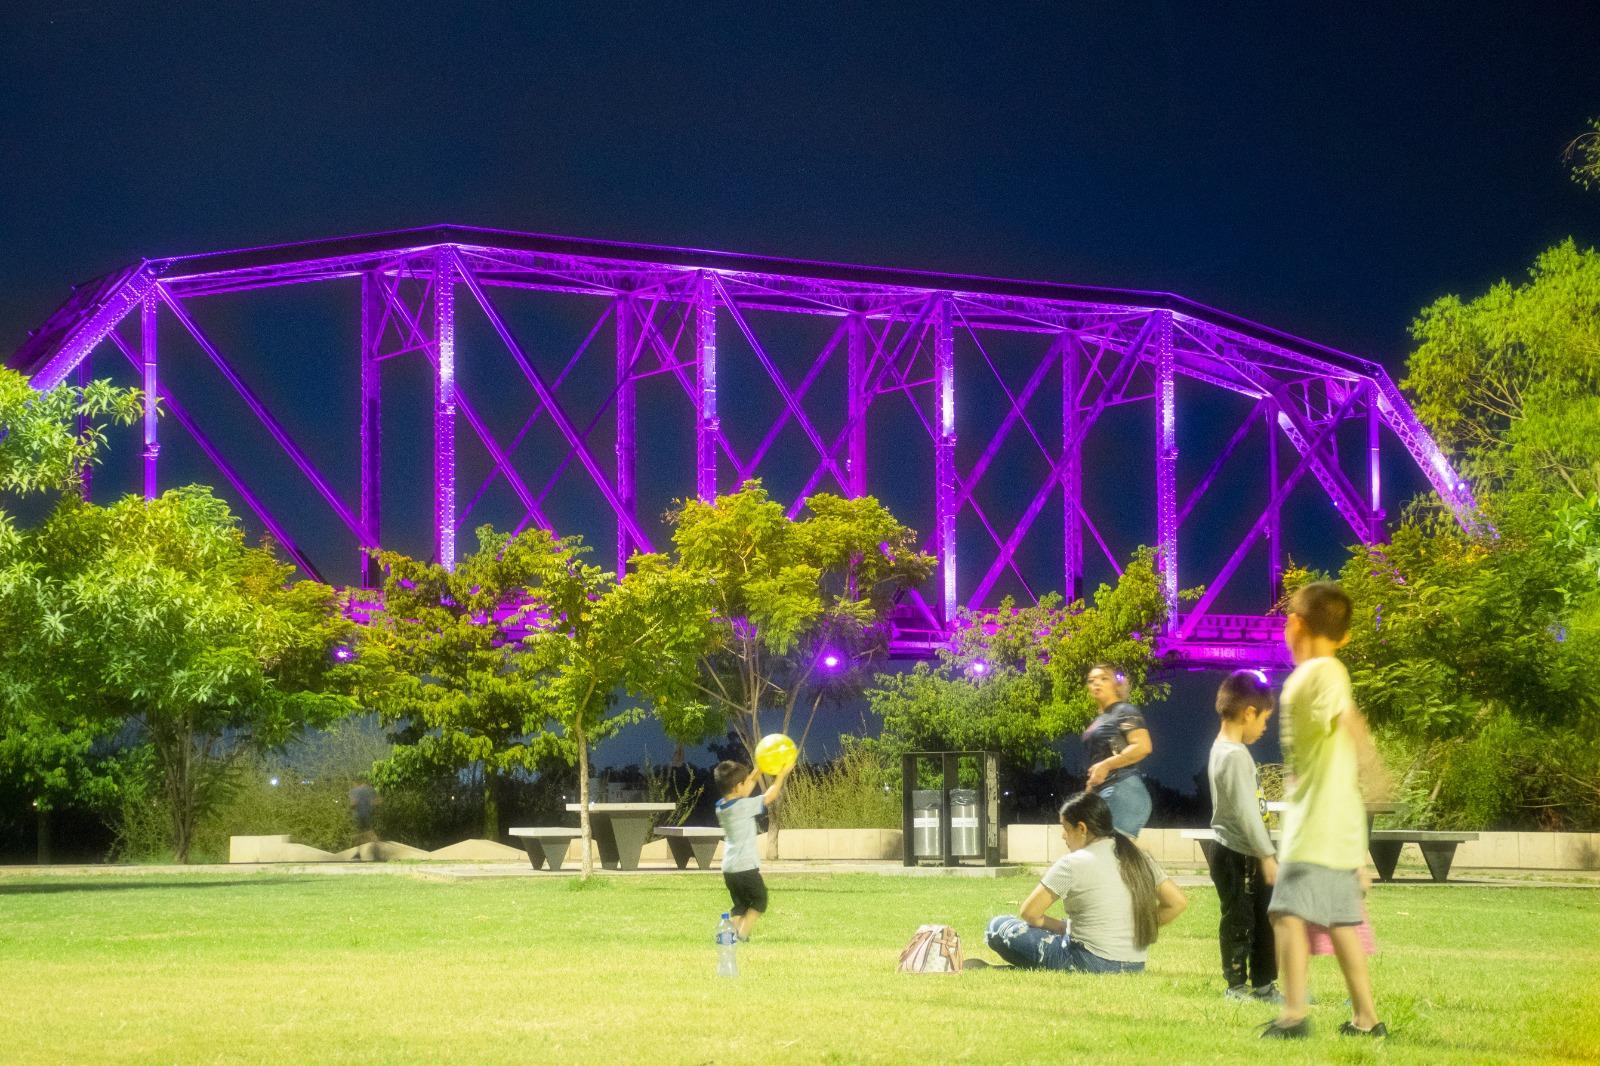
point(1116, 898)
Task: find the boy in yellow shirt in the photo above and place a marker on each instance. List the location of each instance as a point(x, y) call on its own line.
point(1324, 849)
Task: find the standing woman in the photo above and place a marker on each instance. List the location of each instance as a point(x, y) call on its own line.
point(1116, 741)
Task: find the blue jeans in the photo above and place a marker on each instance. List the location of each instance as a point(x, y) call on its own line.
point(1029, 948)
point(1129, 801)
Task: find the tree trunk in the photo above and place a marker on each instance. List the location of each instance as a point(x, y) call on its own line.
point(491, 804)
point(42, 811)
point(174, 748)
point(585, 837)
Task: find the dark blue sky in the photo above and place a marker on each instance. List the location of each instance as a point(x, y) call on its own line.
point(1325, 171)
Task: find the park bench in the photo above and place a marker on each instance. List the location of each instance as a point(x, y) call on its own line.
point(545, 844)
point(687, 840)
point(1438, 849)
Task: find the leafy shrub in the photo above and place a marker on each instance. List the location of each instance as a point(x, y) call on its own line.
point(854, 791)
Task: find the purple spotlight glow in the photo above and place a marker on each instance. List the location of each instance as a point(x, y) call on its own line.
point(978, 668)
point(830, 661)
point(344, 653)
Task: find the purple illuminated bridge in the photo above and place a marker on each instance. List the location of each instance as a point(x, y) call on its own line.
point(855, 378)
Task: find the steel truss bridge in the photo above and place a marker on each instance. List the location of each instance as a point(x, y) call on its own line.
point(913, 341)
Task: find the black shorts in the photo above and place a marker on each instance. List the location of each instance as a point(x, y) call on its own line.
point(749, 892)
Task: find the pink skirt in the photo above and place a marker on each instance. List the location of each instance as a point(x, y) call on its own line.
point(1322, 944)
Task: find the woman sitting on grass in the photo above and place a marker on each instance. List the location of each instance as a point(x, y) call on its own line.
point(1115, 896)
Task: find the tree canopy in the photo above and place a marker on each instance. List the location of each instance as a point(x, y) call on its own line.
point(1475, 652)
point(158, 614)
point(1012, 679)
point(444, 663)
point(800, 606)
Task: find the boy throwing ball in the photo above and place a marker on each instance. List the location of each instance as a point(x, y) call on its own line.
point(737, 812)
point(1325, 826)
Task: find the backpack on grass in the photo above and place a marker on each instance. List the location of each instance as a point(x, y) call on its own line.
point(933, 949)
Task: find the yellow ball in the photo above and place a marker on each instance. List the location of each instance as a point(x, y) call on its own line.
point(775, 753)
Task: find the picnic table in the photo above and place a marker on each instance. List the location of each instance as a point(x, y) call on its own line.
point(620, 830)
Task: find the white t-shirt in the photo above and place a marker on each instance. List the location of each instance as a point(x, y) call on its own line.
point(738, 818)
point(1098, 904)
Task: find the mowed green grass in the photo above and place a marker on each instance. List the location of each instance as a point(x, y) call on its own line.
point(378, 969)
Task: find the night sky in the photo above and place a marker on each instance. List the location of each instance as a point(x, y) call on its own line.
point(1326, 172)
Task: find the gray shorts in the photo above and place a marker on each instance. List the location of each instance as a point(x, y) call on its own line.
point(1317, 894)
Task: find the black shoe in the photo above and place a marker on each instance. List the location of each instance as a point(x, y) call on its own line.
point(1298, 1031)
point(1377, 1032)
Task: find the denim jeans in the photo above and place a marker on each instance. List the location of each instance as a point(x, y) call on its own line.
point(1029, 948)
point(1129, 801)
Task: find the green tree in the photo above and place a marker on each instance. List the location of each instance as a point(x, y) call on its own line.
point(1462, 655)
point(1509, 381)
point(523, 654)
point(786, 595)
point(444, 663)
point(47, 440)
point(157, 614)
point(1012, 679)
point(640, 637)
point(1583, 152)
point(1474, 653)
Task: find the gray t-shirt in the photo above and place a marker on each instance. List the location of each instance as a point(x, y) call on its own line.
point(1098, 904)
point(738, 820)
point(1238, 809)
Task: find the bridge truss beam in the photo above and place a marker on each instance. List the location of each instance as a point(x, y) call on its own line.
point(909, 341)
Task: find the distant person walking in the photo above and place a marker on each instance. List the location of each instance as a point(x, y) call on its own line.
point(1116, 741)
point(363, 805)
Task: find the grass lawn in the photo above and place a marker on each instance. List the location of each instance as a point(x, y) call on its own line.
point(375, 969)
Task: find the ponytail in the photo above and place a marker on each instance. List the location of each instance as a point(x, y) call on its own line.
point(1141, 886)
point(1092, 811)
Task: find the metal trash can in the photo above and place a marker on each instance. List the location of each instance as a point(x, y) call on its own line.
point(925, 803)
point(963, 823)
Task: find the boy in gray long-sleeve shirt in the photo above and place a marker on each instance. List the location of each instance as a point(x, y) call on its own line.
point(1243, 863)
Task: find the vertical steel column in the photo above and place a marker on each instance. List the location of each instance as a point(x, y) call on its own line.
point(1071, 472)
point(86, 471)
point(444, 410)
point(626, 439)
point(707, 425)
point(1166, 467)
point(944, 457)
point(1375, 499)
point(1275, 517)
point(371, 513)
point(856, 404)
point(148, 347)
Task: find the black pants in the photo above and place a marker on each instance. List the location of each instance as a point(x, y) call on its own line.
point(1248, 953)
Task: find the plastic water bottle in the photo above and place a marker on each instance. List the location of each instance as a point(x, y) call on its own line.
point(727, 944)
